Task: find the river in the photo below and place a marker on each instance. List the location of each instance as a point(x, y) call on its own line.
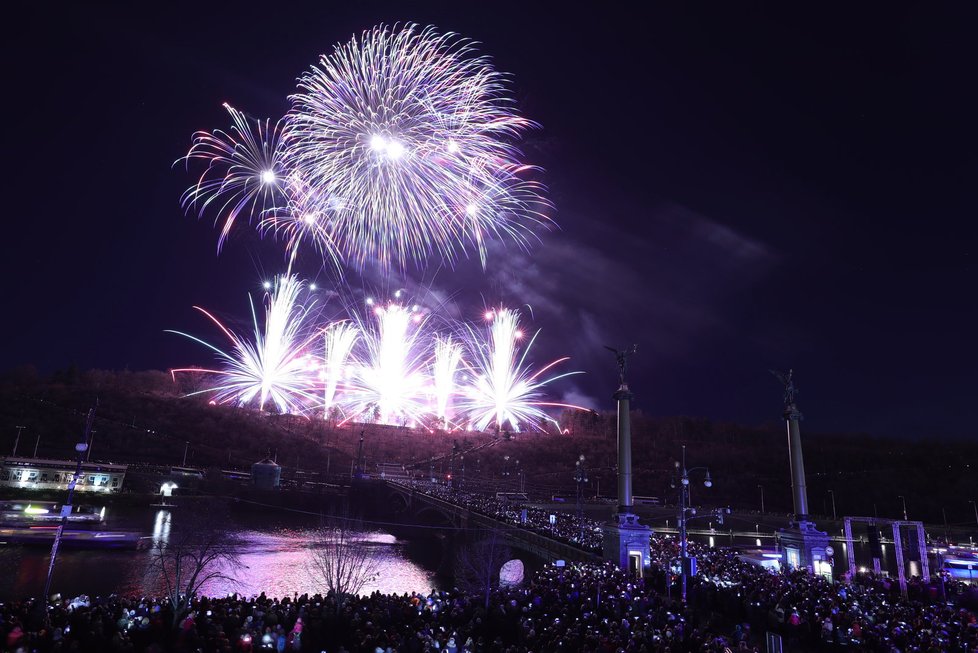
point(275, 547)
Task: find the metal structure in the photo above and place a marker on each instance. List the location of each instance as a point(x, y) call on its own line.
point(896, 525)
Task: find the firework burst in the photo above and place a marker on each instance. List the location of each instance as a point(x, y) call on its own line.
point(399, 147)
point(504, 391)
point(448, 355)
point(274, 367)
point(245, 173)
point(388, 382)
point(340, 338)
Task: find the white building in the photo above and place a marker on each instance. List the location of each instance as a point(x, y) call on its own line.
point(49, 474)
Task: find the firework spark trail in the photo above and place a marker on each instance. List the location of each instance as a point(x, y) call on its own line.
point(389, 377)
point(448, 355)
point(274, 366)
point(244, 173)
point(504, 391)
point(340, 338)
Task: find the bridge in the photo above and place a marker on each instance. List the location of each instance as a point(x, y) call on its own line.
point(404, 498)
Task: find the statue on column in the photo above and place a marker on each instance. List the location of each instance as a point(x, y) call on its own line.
point(789, 387)
point(622, 358)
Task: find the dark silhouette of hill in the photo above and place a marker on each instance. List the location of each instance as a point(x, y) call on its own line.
point(147, 417)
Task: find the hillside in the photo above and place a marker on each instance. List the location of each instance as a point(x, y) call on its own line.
point(145, 417)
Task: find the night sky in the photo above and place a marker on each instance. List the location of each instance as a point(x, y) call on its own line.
point(735, 192)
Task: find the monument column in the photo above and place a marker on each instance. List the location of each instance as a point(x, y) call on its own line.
point(626, 542)
point(799, 491)
point(805, 546)
point(625, 497)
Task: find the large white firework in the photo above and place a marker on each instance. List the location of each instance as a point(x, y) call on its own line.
point(339, 339)
point(505, 392)
point(273, 368)
point(400, 147)
point(388, 382)
point(448, 355)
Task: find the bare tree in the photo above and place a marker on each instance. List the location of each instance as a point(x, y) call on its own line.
point(199, 551)
point(341, 559)
point(477, 565)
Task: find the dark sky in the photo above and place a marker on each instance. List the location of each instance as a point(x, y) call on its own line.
point(736, 191)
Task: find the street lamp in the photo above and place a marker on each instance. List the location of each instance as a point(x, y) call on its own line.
point(975, 506)
point(904, 500)
point(686, 513)
point(761, 487)
point(580, 476)
point(834, 517)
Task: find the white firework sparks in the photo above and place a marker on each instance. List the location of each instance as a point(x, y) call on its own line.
point(504, 391)
point(275, 367)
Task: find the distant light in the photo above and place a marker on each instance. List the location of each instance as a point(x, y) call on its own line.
point(312, 286)
point(472, 210)
point(490, 315)
point(30, 510)
point(267, 285)
point(268, 177)
point(453, 146)
point(397, 295)
point(395, 150)
point(370, 301)
point(518, 334)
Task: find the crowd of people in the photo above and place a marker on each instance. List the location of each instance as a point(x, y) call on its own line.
point(867, 611)
point(578, 607)
point(592, 607)
point(579, 531)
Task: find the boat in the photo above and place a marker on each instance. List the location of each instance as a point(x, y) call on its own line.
point(72, 537)
point(15, 513)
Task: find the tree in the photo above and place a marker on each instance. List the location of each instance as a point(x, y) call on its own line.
point(477, 565)
point(341, 560)
point(199, 551)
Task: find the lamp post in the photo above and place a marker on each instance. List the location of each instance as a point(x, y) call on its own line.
point(975, 506)
point(580, 476)
point(687, 512)
point(832, 494)
point(81, 447)
point(761, 487)
point(904, 500)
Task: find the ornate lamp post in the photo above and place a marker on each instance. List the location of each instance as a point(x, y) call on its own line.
point(580, 477)
point(687, 564)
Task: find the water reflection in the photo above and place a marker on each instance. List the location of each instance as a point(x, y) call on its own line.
point(276, 551)
point(278, 563)
point(161, 527)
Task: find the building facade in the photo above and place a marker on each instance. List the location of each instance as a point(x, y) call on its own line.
point(50, 474)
